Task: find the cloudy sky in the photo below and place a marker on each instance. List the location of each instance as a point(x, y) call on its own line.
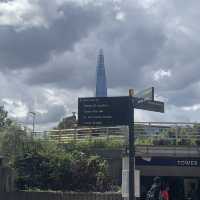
point(48, 51)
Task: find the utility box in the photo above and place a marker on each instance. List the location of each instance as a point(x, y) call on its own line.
point(125, 179)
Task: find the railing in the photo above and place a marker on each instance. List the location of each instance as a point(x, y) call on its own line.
point(146, 133)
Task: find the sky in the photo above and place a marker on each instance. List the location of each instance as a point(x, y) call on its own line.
point(49, 48)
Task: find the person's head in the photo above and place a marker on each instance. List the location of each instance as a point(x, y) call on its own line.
point(167, 188)
point(157, 180)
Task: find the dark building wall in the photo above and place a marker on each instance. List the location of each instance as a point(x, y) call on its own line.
point(6, 179)
point(169, 171)
point(114, 158)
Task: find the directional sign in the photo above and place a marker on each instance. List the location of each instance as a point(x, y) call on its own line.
point(156, 106)
point(103, 111)
point(147, 94)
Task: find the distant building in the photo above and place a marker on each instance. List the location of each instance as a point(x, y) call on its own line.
point(101, 84)
point(67, 123)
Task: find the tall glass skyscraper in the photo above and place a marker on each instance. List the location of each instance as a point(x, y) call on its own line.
point(101, 84)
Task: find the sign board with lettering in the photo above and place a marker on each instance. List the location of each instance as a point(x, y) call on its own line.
point(147, 94)
point(103, 111)
point(156, 106)
point(168, 161)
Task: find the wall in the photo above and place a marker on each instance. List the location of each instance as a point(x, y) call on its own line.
point(114, 158)
point(6, 179)
point(59, 196)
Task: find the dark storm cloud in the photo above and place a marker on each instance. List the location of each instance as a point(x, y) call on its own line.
point(129, 46)
point(32, 46)
point(69, 71)
point(138, 41)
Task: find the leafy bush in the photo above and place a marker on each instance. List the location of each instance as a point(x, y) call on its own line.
point(88, 144)
point(13, 141)
point(62, 171)
point(45, 165)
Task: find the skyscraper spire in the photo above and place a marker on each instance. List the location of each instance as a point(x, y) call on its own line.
point(101, 85)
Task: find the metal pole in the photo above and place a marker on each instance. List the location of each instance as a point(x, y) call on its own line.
point(131, 148)
point(74, 126)
point(33, 123)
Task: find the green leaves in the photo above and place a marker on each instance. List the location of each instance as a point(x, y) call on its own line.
point(74, 171)
point(4, 120)
point(46, 165)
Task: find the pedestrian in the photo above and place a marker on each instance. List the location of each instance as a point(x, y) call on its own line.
point(155, 193)
point(165, 193)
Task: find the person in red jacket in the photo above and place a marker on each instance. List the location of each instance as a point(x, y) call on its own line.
point(165, 193)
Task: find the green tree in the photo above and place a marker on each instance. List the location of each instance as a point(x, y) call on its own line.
point(4, 120)
point(47, 165)
point(14, 139)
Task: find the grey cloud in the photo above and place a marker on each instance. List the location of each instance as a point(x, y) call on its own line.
point(129, 45)
point(65, 72)
point(33, 46)
point(146, 40)
point(187, 96)
point(55, 113)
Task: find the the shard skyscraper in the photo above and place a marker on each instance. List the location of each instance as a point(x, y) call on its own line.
point(101, 84)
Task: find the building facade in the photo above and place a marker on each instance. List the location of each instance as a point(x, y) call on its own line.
point(101, 83)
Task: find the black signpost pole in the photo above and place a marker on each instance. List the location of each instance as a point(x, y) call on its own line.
point(115, 111)
point(131, 148)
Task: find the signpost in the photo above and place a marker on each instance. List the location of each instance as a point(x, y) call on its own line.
point(103, 111)
point(116, 111)
point(131, 147)
point(147, 94)
point(155, 106)
point(125, 179)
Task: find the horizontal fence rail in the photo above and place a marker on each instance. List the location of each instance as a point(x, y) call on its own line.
point(146, 133)
point(59, 196)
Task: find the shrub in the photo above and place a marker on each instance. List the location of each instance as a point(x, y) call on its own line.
point(73, 171)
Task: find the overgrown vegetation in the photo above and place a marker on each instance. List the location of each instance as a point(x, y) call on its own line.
point(59, 170)
point(170, 136)
point(89, 144)
point(46, 165)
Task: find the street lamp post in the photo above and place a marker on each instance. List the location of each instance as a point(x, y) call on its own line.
point(131, 147)
point(74, 125)
point(33, 123)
